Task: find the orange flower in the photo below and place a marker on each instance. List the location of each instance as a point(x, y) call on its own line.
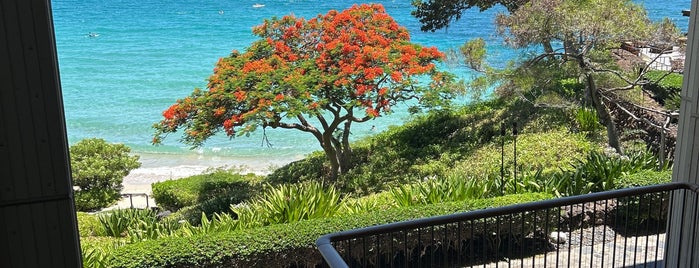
point(372, 112)
point(397, 76)
point(240, 95)
point(219, 111)
point(171, 112)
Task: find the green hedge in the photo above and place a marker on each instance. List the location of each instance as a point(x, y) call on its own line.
point(645, 178)
point(280, 245)
point(89, 225)
point(219, 186)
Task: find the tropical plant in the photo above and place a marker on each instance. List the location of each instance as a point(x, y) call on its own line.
point(117, 222)
point(95, 257)
point(587, 120)
point(89, 225)
point(98, 169)
point(318, 76)
point(151, 229)
point(449, 189)
point(290, 203)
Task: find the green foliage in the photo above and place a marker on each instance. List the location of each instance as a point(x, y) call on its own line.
point(644, 178)
point(601, 172)
point(148, 229)
point(215, 190)
point(97, 251)
point(547, 151)
point(364, 204)
point(279, 245)
point(587, 120)
point(89, 225)
point(290, 203)
point(308, 169)
point(449, 189)
point(438, 14)
point(435, 144)
point(666, 88)
point(342, 68)
point(95, 258)
point(98, 168)
point(117, 222)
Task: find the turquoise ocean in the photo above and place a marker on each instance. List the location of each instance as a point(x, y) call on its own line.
point(122, 62)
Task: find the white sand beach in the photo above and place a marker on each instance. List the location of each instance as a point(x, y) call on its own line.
point(162, 167)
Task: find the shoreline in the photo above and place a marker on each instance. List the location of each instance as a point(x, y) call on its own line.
point(159, 167)
point(162, 167)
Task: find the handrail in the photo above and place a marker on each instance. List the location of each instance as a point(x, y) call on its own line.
point(130, 196)
point(333, 258)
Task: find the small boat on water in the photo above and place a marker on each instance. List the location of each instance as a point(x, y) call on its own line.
point(258, 5)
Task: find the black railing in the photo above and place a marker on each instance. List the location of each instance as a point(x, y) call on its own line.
point(620, 228)
point(131, 195)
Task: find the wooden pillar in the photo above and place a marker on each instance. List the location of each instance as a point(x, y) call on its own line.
point(37, 216)
point(682, 242)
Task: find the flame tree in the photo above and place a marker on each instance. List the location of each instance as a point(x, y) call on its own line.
point(338, 69)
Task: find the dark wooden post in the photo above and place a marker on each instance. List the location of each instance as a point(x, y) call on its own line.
point(37, 216)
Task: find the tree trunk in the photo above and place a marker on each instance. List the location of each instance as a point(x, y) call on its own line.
point(603, 113)
point(346, 156)
point(332, 154)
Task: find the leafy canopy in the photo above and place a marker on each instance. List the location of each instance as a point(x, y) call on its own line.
point(337, 68)
point(98, 168)
point(438, 14)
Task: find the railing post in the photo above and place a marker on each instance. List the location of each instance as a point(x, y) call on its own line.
point(680, 240)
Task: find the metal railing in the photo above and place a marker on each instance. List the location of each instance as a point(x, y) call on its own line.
point(131, 195)
point(620, 228)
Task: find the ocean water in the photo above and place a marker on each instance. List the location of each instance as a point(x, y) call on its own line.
point(122, 62)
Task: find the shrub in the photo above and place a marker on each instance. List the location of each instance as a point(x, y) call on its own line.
point(89, 225)
point(642, 213)
point(308, 169)
point(364, 204)
point(587, 120)
point(117, 222)
point(98, 168)
point(97, 251)
point(290, 203)
point(645, 178)
point(214, 191)
point(440, 190)
point(280, 245)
